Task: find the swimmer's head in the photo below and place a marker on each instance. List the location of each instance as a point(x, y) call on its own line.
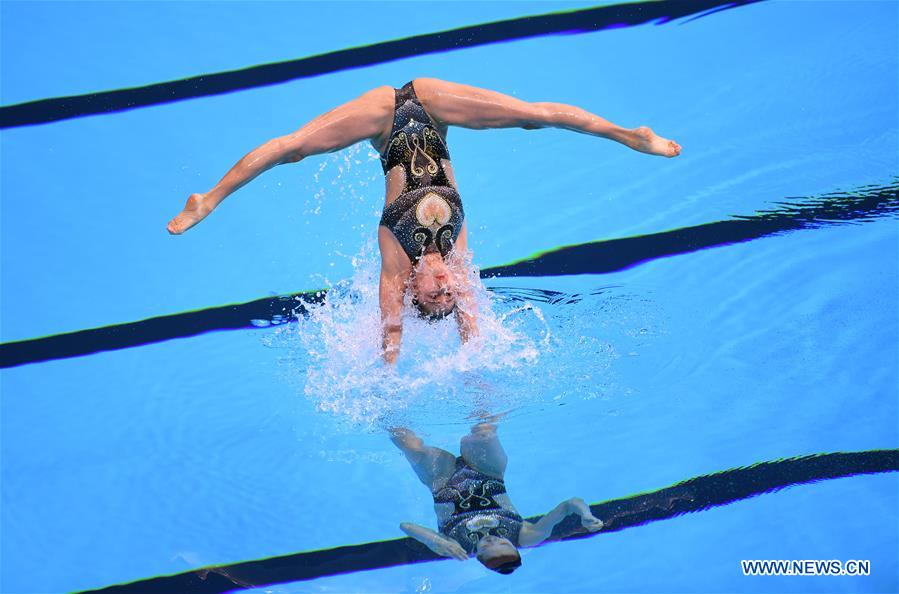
point(433, 286)
point(498, 554)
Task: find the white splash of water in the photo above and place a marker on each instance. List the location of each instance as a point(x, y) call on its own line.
point(337, 349)
point(334, 355)
point(344, 177)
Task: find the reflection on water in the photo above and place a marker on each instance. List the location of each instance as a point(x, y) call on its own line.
point(475, 515)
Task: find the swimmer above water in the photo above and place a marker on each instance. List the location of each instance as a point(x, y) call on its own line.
point(422, 234)
point(474, 514)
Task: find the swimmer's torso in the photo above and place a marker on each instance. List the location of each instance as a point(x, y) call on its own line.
point(426, 216)
point(472, 504)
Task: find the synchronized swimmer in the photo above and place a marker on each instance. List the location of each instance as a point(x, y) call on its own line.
point(423, 242)
point(422, 234)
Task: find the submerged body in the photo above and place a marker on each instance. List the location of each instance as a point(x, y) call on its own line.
point(472, 504)
point(423, 235)
point(475, 516)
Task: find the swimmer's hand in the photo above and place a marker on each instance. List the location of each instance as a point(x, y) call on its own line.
point(449, 548)
point(196, 209)
point(591, 523)
point(588, 520)
point(443, 546)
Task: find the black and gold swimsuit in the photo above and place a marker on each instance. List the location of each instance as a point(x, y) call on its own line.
point(480, 506)
point(427, 216)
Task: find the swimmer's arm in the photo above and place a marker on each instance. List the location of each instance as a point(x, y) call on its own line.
point(395, 269)
point(533, 533)
point(466, 309)
point(440, 544)
point(363, 118)
point(391, 302)
point(468, 325)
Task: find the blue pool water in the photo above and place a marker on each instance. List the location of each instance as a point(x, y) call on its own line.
point(267, 440)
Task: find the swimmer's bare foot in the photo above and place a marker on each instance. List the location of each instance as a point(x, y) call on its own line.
point(194, 211)
point(643, 139)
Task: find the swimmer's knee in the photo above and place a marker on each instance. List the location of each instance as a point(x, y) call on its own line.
point(484, 429)
point(481, 435)
point(405, 439)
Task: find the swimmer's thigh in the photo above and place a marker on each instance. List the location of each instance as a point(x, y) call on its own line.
point(433, 466)
point(482, 450)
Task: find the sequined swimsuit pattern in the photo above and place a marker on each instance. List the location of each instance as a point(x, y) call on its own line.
point(476, 511)
point(427, 216)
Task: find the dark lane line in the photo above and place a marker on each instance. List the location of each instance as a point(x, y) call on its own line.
point(865, 204)
point(598, 257)
point(260, 313)
point(693, 495)
point(577, 21)
point(158, 329)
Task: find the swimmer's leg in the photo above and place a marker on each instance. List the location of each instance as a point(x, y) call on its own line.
point(432, 465)
point(482, 450)
point(363, 118)
point(471, 107)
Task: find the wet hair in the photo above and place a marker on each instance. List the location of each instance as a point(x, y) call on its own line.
point(431, 316)
point(509, 564)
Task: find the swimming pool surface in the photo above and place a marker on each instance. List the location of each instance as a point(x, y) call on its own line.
point(651, 320)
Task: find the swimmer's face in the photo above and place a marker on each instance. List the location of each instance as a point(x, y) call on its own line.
point(434, 285)
point(498, 554)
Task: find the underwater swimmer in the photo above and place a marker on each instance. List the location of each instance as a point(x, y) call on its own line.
point(474, 513)
point(422, 234)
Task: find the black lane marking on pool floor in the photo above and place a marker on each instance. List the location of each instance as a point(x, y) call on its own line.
point(598, 257)
point(577, 21)
point(260, 313)
point(693, 495)
point(272, 310)
point(865, 204)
